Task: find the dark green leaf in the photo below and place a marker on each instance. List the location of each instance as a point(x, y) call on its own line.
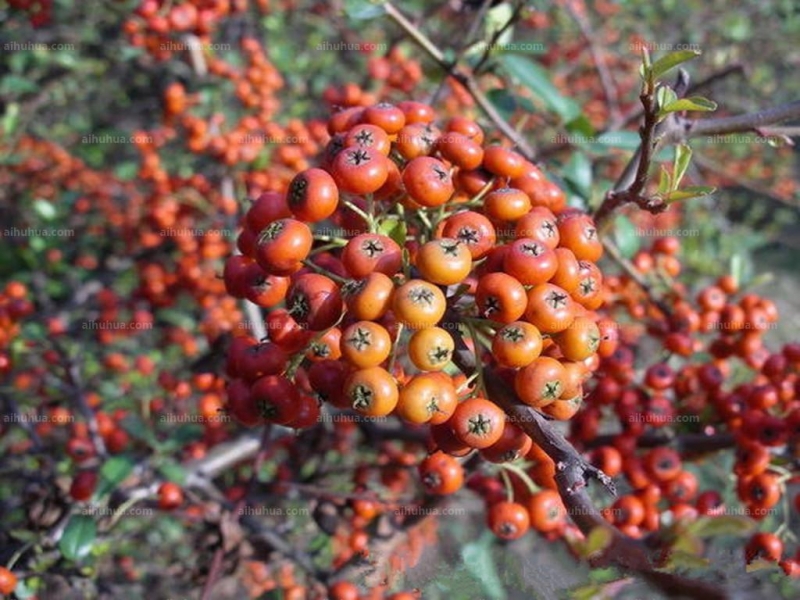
point(671, 60)
point(537, 80)
point(78, 537)
point(362, 10)
point(503, 101)
point(581, 126)
point(113, 472)
point(478, 559)
point(627, 140)
point(578, 172)
point(172, 471)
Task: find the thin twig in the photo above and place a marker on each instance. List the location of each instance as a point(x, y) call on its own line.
point(468, 81)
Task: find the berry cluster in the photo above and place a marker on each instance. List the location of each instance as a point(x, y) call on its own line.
point(409, 240)
point(709, 343)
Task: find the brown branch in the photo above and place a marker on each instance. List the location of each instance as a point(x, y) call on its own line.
point(572, 475)
point(634, 192)
point(465, 79)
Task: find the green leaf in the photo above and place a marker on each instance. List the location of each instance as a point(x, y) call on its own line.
point(581, 126)
point(587, 592)
point(672, 60)
point(578, 172)
point(664, 182)
point(665, 96)
point(478, 559)
point(627, 140)
point(113, 472)
point(172, 471)
point(536, 79)
point(705, 527)
point(695, 103)
point(14, 84)
point(692, 191)
point(10, 118)
point(394, 228)
point(626, 237)
point(599, 539)
point(362, 10)
point(44, 209)
point(687, 560)
point(737, 269)
point(503, 101)
point(683, 156)
point(78, 537)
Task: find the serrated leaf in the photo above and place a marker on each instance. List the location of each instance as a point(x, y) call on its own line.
point(705, 527)
point(362, 10)
point(599, 539)
point(79, 535)
point(578, 172)
point(395, 229)
point(477, 557)
point(695, 103)
point(113, 472)
point(683, 156)
point(692, 191)
point(672, 60)
point(626, 237)
point(536, 79)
